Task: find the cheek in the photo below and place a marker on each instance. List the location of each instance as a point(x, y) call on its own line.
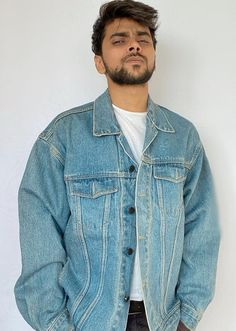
point(152, 60)
point(112, 60)
point(113, 57)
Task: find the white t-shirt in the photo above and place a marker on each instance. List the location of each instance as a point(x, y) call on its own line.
point(133, 125)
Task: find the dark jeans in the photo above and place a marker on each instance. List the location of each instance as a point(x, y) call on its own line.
point(137, 322)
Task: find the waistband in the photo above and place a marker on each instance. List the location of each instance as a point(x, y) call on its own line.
point(136, 307)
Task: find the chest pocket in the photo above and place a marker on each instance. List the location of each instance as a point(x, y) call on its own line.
point(170, 180)
point(93, 201)
point(93, 188)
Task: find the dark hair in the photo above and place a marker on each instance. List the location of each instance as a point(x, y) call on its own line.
point(111, 10)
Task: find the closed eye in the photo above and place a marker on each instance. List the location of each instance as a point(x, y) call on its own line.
point(144, 41)
point(118, 42)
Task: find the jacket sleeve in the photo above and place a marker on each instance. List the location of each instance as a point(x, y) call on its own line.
point(43, 214)
point(201, 242)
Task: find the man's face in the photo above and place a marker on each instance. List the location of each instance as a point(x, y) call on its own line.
point(128, 55)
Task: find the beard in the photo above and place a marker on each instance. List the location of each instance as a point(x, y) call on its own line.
point(122, 76)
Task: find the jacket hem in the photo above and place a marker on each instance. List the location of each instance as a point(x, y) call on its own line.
point(61, 322)
point(189, 316)
point(171, 319)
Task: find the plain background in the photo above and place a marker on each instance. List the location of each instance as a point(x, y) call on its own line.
point(46, 67)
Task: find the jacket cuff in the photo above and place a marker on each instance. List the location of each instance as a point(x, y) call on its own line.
point(189, 317)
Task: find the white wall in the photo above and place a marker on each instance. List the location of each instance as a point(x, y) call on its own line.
point(46, 66)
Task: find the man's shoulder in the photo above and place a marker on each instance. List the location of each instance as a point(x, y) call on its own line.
point(176, 119)
point(72, 113)
point(65, 120)
point(186, 136)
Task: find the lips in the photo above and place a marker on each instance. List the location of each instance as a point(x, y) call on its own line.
point(135, 60)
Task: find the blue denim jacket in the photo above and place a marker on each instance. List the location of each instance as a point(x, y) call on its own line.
point(84, 201)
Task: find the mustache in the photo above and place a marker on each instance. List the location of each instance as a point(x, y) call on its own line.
point(134, 55)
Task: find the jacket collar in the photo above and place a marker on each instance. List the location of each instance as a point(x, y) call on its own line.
point(105, 122)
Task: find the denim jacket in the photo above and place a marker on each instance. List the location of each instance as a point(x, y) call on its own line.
point(84, 202)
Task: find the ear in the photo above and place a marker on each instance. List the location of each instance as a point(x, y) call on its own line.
point(99, 64)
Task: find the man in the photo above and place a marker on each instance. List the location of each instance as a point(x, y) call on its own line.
point(117, 213)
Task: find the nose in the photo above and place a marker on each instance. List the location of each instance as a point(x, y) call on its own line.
point(134, 46)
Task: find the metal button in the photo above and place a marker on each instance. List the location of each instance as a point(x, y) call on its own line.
point(130, 251)
point(126, 298)
point(131, 210)
point(132, 168)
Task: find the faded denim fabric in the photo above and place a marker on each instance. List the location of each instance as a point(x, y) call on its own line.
point(80, 199)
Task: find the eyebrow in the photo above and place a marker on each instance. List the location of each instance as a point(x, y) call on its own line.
point(126, 34)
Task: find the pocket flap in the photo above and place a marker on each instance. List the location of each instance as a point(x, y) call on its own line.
point(170, 172)
point(93, 188)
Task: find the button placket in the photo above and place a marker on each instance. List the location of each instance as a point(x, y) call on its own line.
point(129, 168)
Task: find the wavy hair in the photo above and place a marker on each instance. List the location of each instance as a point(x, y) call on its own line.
point(135, 10)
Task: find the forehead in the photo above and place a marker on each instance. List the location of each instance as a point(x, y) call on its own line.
point(124, 25)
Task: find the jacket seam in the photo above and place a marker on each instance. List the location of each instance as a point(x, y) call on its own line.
point(47, 133)
point(170, 316)
point(172, 258)
point(59, 319)
point(187, 308)
point(54, 152)
point(80, 234)
point(196, 153)
point(104, 261)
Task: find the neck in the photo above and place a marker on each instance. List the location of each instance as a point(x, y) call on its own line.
point(129, 97)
